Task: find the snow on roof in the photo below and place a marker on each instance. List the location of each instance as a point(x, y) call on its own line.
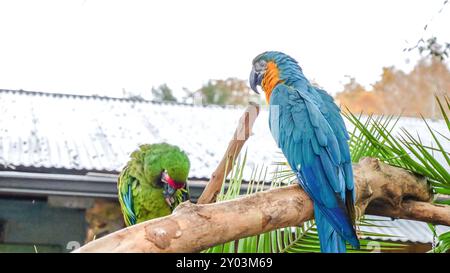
point(97, 134)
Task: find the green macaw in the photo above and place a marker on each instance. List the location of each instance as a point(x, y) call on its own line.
point(153, 182)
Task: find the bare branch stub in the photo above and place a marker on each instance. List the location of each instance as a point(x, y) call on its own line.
point(240, 136)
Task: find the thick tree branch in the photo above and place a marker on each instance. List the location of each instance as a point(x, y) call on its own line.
point(192, 228)
point(240, 136)
point(416, 210)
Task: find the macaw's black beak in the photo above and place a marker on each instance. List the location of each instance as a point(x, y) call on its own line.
point(254, 80)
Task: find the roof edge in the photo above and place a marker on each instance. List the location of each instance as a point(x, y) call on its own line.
point(98, 97)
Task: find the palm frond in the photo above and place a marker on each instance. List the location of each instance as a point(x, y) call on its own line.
point(375, 137)
point(443, 243)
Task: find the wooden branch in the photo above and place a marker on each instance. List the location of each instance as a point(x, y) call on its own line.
point(420, 211)
point(240, 136)
point(192, 228)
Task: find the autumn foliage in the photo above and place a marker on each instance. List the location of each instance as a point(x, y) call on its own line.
point(397, 92)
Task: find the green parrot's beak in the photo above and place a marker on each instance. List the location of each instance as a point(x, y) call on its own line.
point(169, 193)
point(170, 187)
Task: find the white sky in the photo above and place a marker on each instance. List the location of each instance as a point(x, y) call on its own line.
point(100, 47)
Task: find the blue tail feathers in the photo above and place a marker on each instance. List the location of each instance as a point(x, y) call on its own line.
point(330, 240)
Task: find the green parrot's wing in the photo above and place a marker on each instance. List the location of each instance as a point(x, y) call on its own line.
point(124, 188)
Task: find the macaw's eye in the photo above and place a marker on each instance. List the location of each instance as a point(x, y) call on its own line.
point(260, 65)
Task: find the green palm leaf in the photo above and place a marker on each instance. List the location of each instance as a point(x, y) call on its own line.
point(374, 137)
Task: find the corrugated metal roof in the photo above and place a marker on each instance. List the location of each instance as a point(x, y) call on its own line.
point(92, 133)
point(402, 230)
point(87, 133)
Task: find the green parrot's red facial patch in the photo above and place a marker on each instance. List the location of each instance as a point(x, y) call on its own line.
point(271, 79)
point(173, 183)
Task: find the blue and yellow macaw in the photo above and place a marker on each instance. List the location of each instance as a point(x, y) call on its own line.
point(308, 127)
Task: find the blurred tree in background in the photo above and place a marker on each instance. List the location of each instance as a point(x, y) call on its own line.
point(409, 94)
point(231, 91)
point(163, 93)
point(215, 92)
point(357, 98)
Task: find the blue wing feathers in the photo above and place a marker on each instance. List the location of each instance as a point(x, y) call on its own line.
point(306, 134)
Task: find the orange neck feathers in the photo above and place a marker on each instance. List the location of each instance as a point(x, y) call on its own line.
point(270, 80)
